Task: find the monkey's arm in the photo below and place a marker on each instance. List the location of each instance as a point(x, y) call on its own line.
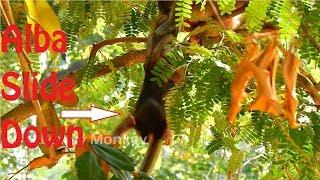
point(124, 126)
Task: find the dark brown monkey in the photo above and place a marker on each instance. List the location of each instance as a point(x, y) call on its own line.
point(149, 117)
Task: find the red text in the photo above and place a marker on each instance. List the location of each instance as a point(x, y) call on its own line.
point(50, 137)
point(14, 36)
point(49, 89)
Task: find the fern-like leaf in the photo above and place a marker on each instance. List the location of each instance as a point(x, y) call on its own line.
point(226, 6)
point(183, 12)
point(194, 135)
point(131, 26)
point(235, 160)
point(255, 14)
point(170, 102)
point(289, 21)
point(165, 67)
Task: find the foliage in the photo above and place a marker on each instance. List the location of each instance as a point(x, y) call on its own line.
point(256, 13)
point(88, 168)
point(201, 72)
point(183, 12)
point(165, 67)
point(114, 157)
point(226, 6)
point(289, 22)
point(140, 22)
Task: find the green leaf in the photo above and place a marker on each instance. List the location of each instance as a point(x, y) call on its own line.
point(144, 176)
point(159, 82)
point(235, 160)
point(153, 79)
point(88, 168)
point(160, 75)
point(214, 145)
point(234, 37)
point(255, 14)
point(157, 68)
point(186, 24)
point(226, 6)
point(119, 175)
point(114, 157)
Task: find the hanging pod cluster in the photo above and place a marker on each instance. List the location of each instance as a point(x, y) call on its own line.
point(262, 66)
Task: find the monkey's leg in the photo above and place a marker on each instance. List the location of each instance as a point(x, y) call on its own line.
point(152, 156)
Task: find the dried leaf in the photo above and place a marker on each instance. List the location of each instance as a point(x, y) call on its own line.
point(52, 121)
point(240, 81)
point(40, 162)
point(268, 55)
point(266, 100)
point(290, 68)
point(265, 73)
point(273, 70)
point(45, 161)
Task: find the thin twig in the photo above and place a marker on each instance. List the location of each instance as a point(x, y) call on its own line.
point(248, 161)
point(215, 10)
point(103, 43)
point(210, 169)
point(14, 174)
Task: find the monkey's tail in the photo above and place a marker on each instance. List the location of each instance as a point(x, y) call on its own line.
point(151, 156)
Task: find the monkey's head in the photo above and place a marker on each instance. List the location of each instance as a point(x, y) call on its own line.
point(149, 120)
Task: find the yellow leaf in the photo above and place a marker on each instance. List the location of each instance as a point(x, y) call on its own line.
point(40, 12)
point(32, 16)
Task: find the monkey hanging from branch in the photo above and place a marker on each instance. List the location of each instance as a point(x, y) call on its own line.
point(149, 117)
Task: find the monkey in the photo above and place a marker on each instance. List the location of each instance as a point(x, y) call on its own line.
point(148, 117)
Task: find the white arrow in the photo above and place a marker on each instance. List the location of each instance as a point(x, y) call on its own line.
point(95, 114)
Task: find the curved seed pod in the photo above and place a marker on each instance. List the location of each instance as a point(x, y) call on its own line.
point(240, 81)
point(290, 69)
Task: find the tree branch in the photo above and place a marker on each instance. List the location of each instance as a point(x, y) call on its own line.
point(25, 109)
point(310, 88)
point(310, 37)
point(215, 10)
point(103, 43)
